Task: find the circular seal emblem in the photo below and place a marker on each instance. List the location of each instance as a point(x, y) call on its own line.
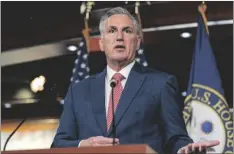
point(207, 117)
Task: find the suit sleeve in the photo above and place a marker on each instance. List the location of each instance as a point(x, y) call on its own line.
point(175, 132)
point(67, 131)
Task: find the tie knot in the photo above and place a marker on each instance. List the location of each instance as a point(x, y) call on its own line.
point(118, 77)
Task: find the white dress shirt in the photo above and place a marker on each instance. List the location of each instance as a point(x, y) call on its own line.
point(109, 74)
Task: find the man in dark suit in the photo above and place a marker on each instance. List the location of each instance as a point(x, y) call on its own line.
point(147, 109)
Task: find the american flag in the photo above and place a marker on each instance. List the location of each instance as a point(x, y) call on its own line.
point(140, 57)
point(81, 67)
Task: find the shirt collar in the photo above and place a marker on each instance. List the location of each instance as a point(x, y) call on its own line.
point(125, 71)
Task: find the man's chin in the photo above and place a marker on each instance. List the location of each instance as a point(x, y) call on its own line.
point(120, 59)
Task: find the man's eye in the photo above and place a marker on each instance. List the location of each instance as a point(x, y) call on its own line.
point(111, 31)
point(128, 31)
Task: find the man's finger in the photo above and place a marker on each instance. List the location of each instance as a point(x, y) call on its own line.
point(203, 148)
point(105, 140)
point(200, 147)
point(98, 140)
point(194, 146)
point(186, 149)
point(181, 151)
point(190, 147)
point(101, 145)
point(212, 143)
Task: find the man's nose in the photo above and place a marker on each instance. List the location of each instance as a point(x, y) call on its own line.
point(120, 36)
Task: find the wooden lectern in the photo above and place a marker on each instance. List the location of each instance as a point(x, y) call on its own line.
point(135, 148)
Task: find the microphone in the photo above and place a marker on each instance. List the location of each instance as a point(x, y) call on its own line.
point(113, 83)
point(9, 137)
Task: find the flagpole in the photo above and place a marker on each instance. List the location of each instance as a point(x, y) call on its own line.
point(87, 30)
point(85, 33)
point(202, 9)
point(137, 12)
point(193, 128)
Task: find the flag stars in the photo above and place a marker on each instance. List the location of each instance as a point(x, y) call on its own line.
point(81, 44)
point(138, 60)
point(74, 70)
point(83, 65)
point(80, 73)
point(140, 51)
point(145, 64)
point(78, 52)
point(85, 56)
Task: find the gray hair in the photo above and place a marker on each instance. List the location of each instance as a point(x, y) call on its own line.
point(122, 11)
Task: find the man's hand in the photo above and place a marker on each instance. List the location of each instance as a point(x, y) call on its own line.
point(198, 147)
point(98, 141)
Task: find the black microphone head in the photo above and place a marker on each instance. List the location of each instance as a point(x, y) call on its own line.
point(113, 83)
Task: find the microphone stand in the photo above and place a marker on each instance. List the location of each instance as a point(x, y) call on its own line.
point(113, 115)
point(9, 137)
point(113, 84)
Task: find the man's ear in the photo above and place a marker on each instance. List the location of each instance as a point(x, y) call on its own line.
point(138, 42)
point(100, 41)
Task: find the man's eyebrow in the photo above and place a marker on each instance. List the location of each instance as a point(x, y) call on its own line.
point(112, 27)
point(127, 27)
point(124, 28)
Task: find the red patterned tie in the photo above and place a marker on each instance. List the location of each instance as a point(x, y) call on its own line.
point(117, 91)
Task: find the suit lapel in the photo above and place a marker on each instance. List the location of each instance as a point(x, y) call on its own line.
point(98, 100)
point(132, 86)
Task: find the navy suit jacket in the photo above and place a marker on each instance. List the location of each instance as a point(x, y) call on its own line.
point(149, 112)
